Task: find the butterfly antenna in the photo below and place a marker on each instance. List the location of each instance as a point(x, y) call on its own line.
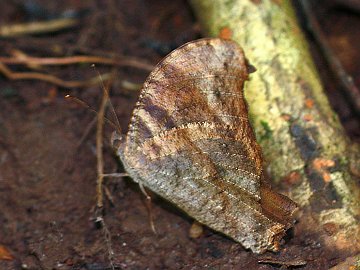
point(84, 104)
point(106, 91)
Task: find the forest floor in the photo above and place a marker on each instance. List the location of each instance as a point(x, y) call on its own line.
point(48, 168)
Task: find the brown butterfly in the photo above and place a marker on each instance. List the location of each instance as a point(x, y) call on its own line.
point(191, 142)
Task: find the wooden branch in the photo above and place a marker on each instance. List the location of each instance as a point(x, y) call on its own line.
point(302, 139)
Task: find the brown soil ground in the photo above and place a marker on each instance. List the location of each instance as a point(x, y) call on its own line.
point(48, 173)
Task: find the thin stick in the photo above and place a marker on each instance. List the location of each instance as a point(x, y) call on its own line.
point(50, 78)
point(149, 208)
point(21, 29)
point(99, 150)
point(100, 172)
point(55, 61)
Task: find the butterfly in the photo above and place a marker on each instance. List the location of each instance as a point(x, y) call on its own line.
point(190, 141)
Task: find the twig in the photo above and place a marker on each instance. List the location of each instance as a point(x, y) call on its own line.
point(50, 78)
point(99, 150)
point(149, 208)
point(15, 30)
point(350, 89)
point(21, 55)
point(100, 175)
point(116, 61)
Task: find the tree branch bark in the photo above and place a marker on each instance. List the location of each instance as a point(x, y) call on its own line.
point(302, 139)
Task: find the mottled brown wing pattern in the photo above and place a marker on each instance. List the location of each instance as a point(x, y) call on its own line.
point(191, 142)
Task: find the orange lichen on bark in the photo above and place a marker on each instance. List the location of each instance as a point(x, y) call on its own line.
point(292, 178)
point(321, 166)
point(309, 103)
point(225, 33)
point(307, 117)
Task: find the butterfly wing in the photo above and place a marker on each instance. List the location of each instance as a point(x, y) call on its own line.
point(191, 142)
